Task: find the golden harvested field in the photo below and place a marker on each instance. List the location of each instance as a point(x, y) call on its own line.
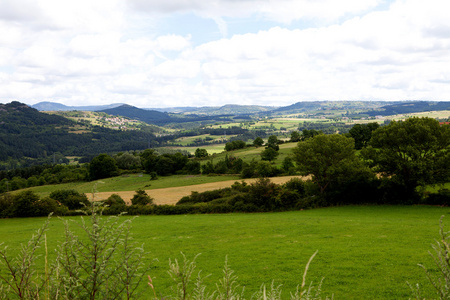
point(174, 194)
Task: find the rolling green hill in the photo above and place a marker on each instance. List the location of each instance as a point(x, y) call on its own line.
point(29, 137)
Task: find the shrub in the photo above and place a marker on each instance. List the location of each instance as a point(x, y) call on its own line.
point(24, 204)
point(263, 194)
point(114, 199)
point(6, 204)
point(442, 197)
point(70, 198)
point(102, 166)
point(47, 205)
point(296, 184)
point(141, 198)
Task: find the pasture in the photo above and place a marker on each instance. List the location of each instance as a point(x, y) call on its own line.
point(130, 182)
point(365, 252)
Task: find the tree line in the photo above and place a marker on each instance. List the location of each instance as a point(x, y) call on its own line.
point(370, 164)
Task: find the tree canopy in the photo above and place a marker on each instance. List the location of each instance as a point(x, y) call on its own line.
point(362, 133)
point(102, 166)
point(411, 153)
point(328, 159)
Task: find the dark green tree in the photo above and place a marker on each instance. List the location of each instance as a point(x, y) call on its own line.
point(309, 133)
point(208, 168)
point(329, 159)
point(269, 154)
point(149, 158)
point(288, 165)
point(70, 198)
point(362, 133)
point(273, 142)
point(263, 194)
point(200, 153)
point(192, 167)
point(102, 166)
point(24, 204)
point(234, 145)
point(411, 153)
point(164, 165)
point(179, 160)
point(265, 169)
point(128, 161)
point(258, 142)
point(295, 136)
point(141, 198)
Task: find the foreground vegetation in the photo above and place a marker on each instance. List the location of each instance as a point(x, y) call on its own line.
point(365, 252)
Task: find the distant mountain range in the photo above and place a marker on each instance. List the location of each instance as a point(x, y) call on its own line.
point(187, 114)
point(147, 116)
point(410, 107)
point(229, 109)
point(162, 118)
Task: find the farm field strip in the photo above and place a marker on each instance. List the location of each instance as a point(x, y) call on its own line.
point(173, 194)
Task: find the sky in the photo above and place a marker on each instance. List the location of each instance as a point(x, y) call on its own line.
point(172, 53)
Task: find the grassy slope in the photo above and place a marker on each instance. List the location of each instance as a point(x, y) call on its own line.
point(366, 252)
point(131, 182)
point(248, 154)
point(134, 182)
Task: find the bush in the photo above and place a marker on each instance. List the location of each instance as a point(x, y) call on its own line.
point(24, 204)
point(102, 166)
point(70, 198)
point(296, 184)
point(263, 194)
point(141, 198)
point(114, 199)
point(442, 197)
point(6, 204)
point(48, 205)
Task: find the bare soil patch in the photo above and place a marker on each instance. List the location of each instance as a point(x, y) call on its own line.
point(174, 194)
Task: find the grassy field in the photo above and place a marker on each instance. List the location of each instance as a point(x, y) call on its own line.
point(248, 154)
point(365, 252)
point(130, 182)
point(184, 141)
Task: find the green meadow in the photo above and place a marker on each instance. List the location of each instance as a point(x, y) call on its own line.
point(254, 153)
point(130, 182)
point(364, 252)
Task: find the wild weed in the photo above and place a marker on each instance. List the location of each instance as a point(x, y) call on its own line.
point(104, 264)
point(441, 258)
point(228, 287)
point(21, 278)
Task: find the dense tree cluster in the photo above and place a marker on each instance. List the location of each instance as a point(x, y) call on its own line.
point(362, 133)
point(410, 154)
point(41, 175)
point(406, 155)
point(65, 203)
point(167, 164)
point(235, 145)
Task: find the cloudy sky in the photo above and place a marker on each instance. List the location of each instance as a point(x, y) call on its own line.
point(163, 53)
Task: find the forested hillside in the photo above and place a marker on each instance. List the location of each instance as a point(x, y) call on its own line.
point(29, 136)
point(409, 107)
point(161, 118)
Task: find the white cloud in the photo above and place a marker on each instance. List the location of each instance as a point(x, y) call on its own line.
point(172, 42)
point(103, 51)
point(283, 11)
